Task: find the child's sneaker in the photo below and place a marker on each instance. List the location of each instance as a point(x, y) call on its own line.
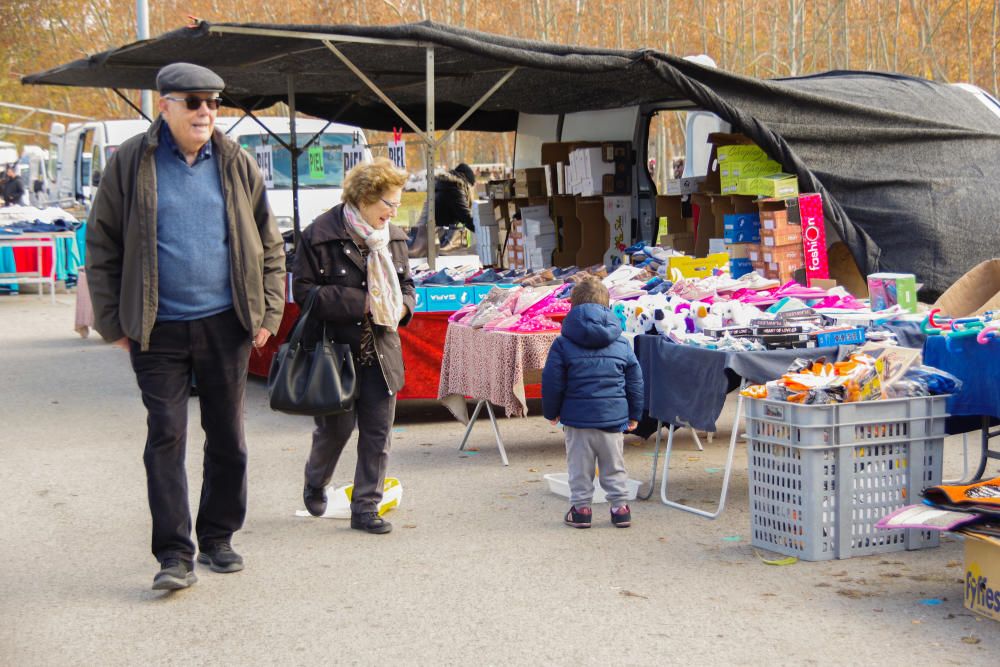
point(621, 517)
point(578, 518)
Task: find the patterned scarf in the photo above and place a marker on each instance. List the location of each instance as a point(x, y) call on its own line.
point(385, 296)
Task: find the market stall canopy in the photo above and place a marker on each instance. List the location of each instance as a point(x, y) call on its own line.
point(905, 165)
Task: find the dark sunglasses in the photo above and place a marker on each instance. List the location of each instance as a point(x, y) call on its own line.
point(194, 103)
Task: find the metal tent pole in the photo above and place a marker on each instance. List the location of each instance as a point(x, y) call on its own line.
point(294, 151)
point(429, 160)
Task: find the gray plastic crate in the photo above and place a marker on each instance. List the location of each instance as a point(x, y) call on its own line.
point(821, 476)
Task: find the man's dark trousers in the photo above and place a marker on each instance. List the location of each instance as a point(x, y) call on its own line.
point(217, 350)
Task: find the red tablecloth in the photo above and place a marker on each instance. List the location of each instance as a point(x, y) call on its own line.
point(423, 348)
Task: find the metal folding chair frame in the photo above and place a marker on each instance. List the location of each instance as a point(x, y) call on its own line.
point(666, 466)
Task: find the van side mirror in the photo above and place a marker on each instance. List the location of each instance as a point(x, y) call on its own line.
point(95, 178)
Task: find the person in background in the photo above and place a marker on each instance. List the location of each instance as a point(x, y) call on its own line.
point(13, 187)
point(358, 261)
point(453, 197)
point(186, 271)
point(592, 383)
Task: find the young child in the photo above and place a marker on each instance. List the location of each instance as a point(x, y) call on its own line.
point(593, 385)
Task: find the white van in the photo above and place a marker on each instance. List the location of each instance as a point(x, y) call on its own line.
point(79, 154)
point(321, 166)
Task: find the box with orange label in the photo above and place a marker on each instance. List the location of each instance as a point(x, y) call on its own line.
point(783, 235)
point(784, 254)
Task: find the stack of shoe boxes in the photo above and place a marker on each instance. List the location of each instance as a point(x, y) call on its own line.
point(515, 245)
point(487, 232)
point(539, 237)
point(781, 241)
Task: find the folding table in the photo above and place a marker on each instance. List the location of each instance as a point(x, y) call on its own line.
point(490, 367)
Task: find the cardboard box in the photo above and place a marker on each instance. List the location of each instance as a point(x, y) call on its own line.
point(974, 293)
point(785, 235)
point(784, 254)
point(482, 214)
point(889, 289)
point(501, 189)
point(587, 169)
point(421, 299)
point(554, 152)
point(447, 299)
point(982, 575)
point(684, 186)
point(698, 267)
point(732, 172)
point(807, 211)
point(745, 150)
point(677, 210)
point(530, 182)
point(539, 241)
point(480, 291)
point(722, 140)
point(740, 250)
point(741, 227)
point(595, 234)
point(739, 267)
point(779, 185)
point(618, 216)
point(567, 229)
point(681, 242)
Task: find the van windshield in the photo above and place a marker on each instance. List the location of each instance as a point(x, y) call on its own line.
point(320, 166)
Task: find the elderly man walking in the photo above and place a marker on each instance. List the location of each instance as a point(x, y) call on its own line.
point(186, 271)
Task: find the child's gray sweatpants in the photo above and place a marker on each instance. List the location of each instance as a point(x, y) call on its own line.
point(584, 448)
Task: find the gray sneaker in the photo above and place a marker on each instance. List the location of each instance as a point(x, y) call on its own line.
point(174, 575)
point(220, 557)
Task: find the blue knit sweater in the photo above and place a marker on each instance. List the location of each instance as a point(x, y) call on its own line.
point(192, 235)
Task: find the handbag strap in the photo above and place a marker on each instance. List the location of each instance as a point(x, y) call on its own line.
point(300, 325)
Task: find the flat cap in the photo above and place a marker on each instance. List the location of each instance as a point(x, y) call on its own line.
point(185, 77)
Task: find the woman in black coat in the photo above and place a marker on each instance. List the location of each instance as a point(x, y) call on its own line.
point(360, 267)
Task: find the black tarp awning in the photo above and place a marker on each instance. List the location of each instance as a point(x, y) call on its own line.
point(906, 166)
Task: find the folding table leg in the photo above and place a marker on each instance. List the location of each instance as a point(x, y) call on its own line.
point(725, 480)
point(697, 440)
point(656, 455)
point(496, 432)
point(496, 429)
point(472, 420)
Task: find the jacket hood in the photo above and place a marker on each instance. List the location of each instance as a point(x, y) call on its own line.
point(450, 180)
point(592, 326)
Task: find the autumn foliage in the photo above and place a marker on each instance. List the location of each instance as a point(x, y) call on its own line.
point(945, 40)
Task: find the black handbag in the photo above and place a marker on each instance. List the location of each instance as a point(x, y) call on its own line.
point(316, 381)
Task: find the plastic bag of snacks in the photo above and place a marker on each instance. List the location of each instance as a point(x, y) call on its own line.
point(858, 378)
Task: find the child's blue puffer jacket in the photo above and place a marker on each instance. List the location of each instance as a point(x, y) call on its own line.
point(591, 377)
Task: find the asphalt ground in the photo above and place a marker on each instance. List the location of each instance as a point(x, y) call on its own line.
point(478, 570)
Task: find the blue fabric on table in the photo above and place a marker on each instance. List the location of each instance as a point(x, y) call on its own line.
point(81, 243)
point(977, 366)
point(7, 265)
point(908, 334)
point(687, 385)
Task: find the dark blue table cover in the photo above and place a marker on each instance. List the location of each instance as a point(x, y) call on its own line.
point(687, 385)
